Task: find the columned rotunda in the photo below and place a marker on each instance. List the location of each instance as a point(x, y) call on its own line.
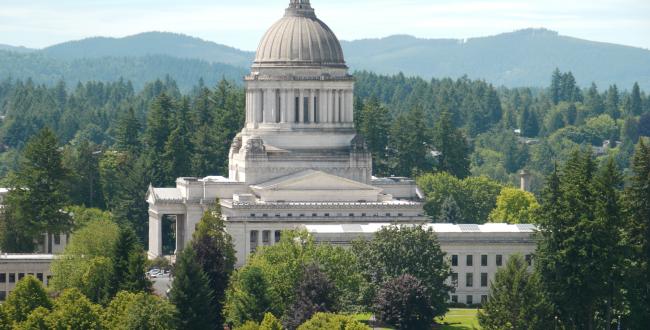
point(298, 161)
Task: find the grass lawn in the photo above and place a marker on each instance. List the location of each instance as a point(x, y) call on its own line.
point(456, 319)
point(460, 319)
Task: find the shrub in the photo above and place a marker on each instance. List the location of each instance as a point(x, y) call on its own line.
point(332, 321)
point(403, 302)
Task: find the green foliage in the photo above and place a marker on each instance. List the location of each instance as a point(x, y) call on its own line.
point(332, 321)
point(637, 228)
point(516, 300)
point(37, 320)
point(81, 216)
point(5, 323)
point(216, 255)
point(280, 268)
point(403, 303)
point(72, 310)
point(580, 228)
point(28, 295)
point(191, 293)
point(375, 126)
point(86, 263)
point(410, 145)
point(395, 251)
point(37, 196)
point(515, 206)
point(313, 294)
point(270, 322)
point(140, 311)
point(452, 146)
point(127, 258)
point(476, 197)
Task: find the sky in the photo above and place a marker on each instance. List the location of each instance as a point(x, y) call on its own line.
point(241, 23)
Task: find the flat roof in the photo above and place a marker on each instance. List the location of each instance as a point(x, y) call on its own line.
point(18, 257)
point(371, 228)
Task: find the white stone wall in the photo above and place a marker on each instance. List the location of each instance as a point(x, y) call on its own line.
point(15, 267)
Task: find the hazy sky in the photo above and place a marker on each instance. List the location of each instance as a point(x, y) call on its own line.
point(241, 23)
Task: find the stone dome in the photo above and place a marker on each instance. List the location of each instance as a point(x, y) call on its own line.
point(299, 39)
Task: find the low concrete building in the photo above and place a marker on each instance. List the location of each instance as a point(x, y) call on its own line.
point(475, 252)
point(13, 267)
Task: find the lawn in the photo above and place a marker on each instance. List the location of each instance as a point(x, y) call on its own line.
point(456, 319)
point(460, 319)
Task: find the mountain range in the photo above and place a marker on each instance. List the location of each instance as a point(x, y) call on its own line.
point(520, 58)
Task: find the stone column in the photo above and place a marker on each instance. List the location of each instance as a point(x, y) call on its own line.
point(312, 106)
point(155, 234)
point(349, 99)
point(180, 233)
point(336, 106)
point(301, 106)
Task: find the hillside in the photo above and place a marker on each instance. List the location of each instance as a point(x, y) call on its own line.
point(521, 58)
point(150, 43)
point(139, 70)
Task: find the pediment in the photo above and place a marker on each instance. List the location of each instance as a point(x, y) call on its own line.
point(314, 180)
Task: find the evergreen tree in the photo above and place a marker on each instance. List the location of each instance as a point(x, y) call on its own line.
point(128, 264)
point(450, 212)
point(612, 102)
point(250, 298)
point(85, 183)
point(637, 205)
point(636, 103)
point(130, 206)
point(191, 293)
point(594, 101)
point(375, 127)
point(178, 148)
point(452, 146)
point(127, 132)
point(37, 196)
point(215, 254)
point(556, 86)
point(528, 123)
point(516, 300)
point(579, 241)
point(410, 144)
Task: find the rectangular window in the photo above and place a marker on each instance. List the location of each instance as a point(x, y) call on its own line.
point(3, 295)
point(469, 280)
point(306, 109)
point(529, 259)
point(470, 260)
point(499, 260)
point(484, 299)
point(470, 300)
point(454, 299)
point(278, 235)
point(314, 214)
point(484, 260)
point(39, 276)
point(3, 278)
point(454, 260)
point(57, 239)
point(266, 237)
point(484, 280)
point(21, 276)
point(254, 240)
point(454, 280)
point(12, 278)
point(296, 110)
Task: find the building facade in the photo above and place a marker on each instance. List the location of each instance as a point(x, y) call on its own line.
point(297, 161)
point(474, 252)
point(13, 267)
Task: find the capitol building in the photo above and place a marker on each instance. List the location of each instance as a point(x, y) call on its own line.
point(298, 160)
point(299, 164)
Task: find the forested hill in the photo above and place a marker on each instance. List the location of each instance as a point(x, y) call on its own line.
point(521, 58)
point(151, 43)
